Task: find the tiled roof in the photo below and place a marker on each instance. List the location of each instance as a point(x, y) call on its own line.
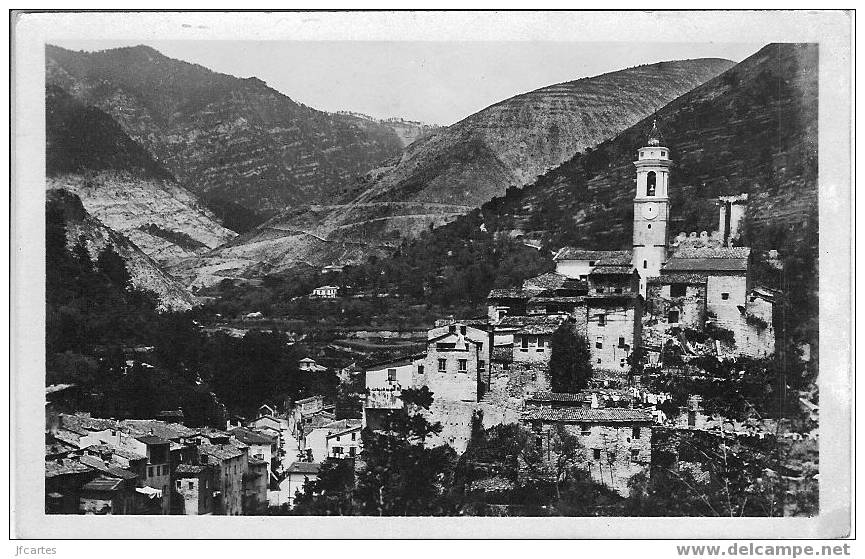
point(68, 437)
point(508, 293)
point(303, 468)
point(720, 259)
point(65, 466)
point(257, 462)
point(103, 484)
point(222, 452)
point(122, 452)
point(251, 437)
point(58, 447)
point(159, 428)
point(549, 280)
point(554, 299)
point(342, 426)
point(555, 397)
point(588, 415)
point(211, 433)
point(713, 253)
point(611, 269)
point(151, 439)
point(306, 400)
point(82, 425)
point(571, 253)
point(667, 279)
point(184, 470)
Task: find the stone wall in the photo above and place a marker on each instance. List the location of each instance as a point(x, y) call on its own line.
point(615, 337)
point(611, 453)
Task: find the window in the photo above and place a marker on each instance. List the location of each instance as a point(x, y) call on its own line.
point(352, 451)
point(480, 346)
point(337, 451)
point(673, 317)
point(391, 375)
point(463, 364)
point(649, 226)
point(539, 441)
point(585, 429)
point(177, 484)
point(677, 290)
point(635, 432)
point(596, 453)
point(599, 290)
point(602, 320)
point(645, 264)
point(482, 365)
point(524, 342)
point(663, 154)
point(635, 454)
point(617, 290)
point(149, 471)
point(591, 262)
point(599, 342)
point(337, 437)
point(599, 360)
point(443, 365)
point(725, 296)
point(611, 457)
point(463, 330)
point(354, 436)
point(621, 341)
point(420, 369)
point(650, 183)
point(191, 485)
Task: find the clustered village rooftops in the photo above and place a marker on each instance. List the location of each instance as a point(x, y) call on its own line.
point(588, 415)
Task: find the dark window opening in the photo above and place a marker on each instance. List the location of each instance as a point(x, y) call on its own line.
point(725, 296)
point(650, 183)
point(443, 364)
point(635, 432)
point(596, 453)
point(673, 317)
point(391, 375)
point(645, 264)
point(677, 290)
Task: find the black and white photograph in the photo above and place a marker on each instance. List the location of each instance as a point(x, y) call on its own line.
point(351, 270)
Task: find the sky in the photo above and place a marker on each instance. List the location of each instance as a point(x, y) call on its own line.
point(434, 82)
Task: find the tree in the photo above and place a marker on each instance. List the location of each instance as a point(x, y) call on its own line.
point(113, 267)
point(570, 362)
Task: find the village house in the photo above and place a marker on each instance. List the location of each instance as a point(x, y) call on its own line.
point(230, 464)
point(255, 483)
point(309, 365)
point(344, 442)
point(260, 446)
point(296, 476)
point(613, 444)
point(456, 366)
point(325, 292)
point(109, 495)
point(384, 382)
point(194, 487)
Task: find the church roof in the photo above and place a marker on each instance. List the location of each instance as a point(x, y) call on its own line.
point(719, 259)
point(571, 253)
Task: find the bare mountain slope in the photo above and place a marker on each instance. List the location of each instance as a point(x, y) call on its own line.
point(122, 185)
point(459, 168)
point(145, 273)
point(239, 144)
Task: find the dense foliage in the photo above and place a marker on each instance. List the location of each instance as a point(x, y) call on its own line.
point(128, 360)
point(571, 360)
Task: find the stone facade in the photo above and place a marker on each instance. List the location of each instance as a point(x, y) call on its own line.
point(614, 444)
point(194, 487)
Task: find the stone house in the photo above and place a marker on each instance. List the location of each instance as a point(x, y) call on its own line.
point(255, 481)
point(230, 464)
point(532, 339)
point(297, 474)
point(614, 444)
point(260, 446)
point(325, 292)
point(109, 495)
point(456, 363)
point(194, 486)
point(345, 442)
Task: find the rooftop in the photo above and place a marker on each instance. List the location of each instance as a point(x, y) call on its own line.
point(221, 452)
point(303, 468)
point(158, 428)
point(249, 436)
point(508, 293)
point(721, 259)
point(151, 439)
point(624, 269)
point(555, 397)
point(668, 279)
point(308, 400)
point(64, 467)
point(588, 415)
point(104, 484)
point(115, 450)
point(571, 253)
point(185, 470)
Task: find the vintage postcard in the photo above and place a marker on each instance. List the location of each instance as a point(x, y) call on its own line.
point(431, 265)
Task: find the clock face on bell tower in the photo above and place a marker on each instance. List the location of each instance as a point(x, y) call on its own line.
point(650, 210)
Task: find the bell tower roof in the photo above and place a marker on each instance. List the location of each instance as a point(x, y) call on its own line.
point(655, 138)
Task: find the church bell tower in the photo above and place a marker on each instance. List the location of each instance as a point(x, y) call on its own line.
point(651, 207)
